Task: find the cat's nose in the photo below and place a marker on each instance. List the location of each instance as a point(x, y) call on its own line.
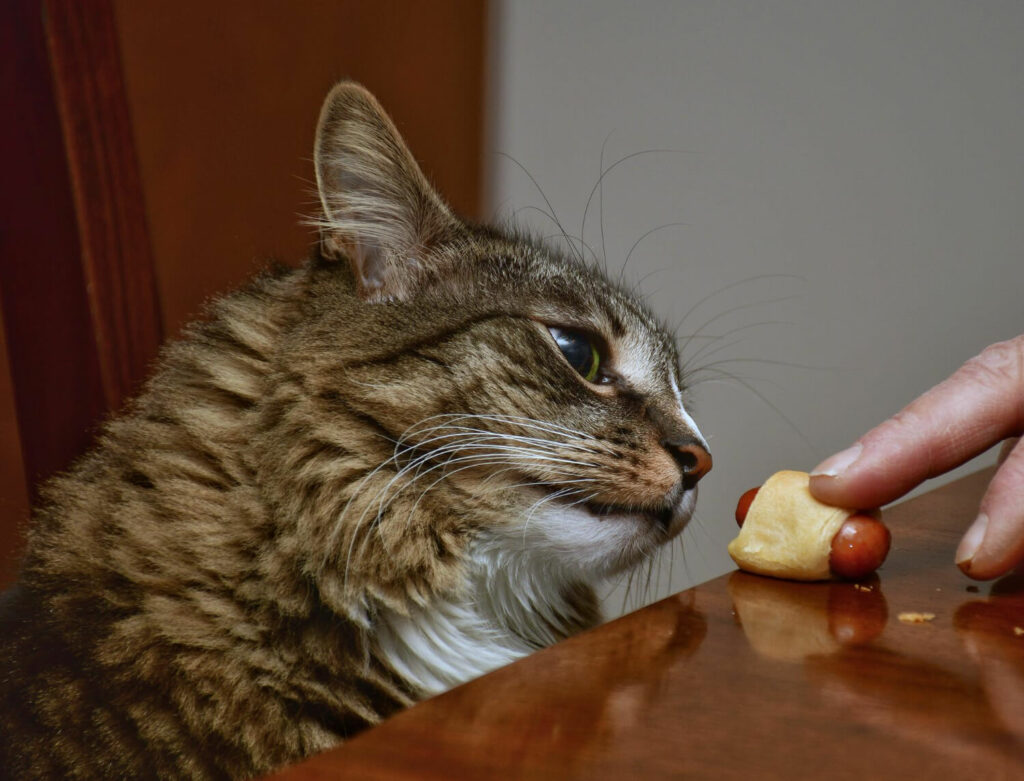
point(693, 459)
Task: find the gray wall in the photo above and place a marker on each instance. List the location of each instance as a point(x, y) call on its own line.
point(850, 176)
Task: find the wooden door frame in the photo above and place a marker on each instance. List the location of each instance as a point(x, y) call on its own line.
point(77, 283)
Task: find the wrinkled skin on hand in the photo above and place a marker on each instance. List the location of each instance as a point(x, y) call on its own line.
point(980, 405)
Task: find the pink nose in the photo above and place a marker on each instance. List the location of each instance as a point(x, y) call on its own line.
point(694, 460)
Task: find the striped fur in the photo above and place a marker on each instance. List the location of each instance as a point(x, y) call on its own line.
point(351, 485)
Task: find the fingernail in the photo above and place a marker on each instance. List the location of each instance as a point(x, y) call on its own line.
point(839, 463)
point(971, 542)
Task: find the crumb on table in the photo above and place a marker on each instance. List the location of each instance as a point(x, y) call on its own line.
point(916, 618)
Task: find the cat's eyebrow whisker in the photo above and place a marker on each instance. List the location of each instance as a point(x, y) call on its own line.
point(717, 292)
point(767, 402)
point(605, 171)
point(719, 377)
point(651, 232)
point(730, 378)
point(568, 238)
point(712, 339)
point(600, 204)
point(767, 362)
point(702, 352)
point(636, 289)
point(551, 208)
point(727, 313)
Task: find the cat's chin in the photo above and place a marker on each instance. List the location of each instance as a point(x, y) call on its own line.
point(600, 540)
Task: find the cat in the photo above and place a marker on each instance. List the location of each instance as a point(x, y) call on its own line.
point(354, 484)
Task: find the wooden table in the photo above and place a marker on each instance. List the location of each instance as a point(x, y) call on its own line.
point(749, 677)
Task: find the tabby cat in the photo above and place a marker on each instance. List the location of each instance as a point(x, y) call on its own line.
point(354, 484)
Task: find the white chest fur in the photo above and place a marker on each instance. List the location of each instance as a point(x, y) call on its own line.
point(512, 605)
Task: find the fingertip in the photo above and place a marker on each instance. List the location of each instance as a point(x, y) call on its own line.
point(826, 479)
point(967, 559)
point(971, 542)
point(839, 463)
point(826, 488)
point(997, 535)
point(994, 544)
point(1000, 552)
point(981, 570)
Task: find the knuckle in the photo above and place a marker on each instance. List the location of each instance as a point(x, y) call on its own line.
point(1000, 367)
point(999, 364)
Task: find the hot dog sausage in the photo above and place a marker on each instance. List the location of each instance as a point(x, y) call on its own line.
point(859, 547)
point(744, 505)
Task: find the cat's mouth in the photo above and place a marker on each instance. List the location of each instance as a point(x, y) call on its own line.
point(661, 517)
point(656, 517)
point(602, 537)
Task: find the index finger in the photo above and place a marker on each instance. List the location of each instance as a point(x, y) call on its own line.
point(979, 405)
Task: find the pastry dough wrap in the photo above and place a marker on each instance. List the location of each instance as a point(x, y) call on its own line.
point(787, 532)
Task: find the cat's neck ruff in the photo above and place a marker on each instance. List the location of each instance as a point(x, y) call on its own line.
point(513, 604)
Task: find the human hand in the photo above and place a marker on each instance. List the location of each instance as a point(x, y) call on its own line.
point(981, 404)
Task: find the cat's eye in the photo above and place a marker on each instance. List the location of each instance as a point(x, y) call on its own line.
point(579, 350)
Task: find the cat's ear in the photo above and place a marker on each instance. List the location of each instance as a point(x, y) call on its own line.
point(379, 210)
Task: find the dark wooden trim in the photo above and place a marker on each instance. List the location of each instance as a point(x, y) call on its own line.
point(53, 363)
point(107, 188)
point(77, 286)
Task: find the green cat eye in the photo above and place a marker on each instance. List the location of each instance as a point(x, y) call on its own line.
point(579, 350)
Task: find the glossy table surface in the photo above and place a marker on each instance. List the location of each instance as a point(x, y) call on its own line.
point(750, 677)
